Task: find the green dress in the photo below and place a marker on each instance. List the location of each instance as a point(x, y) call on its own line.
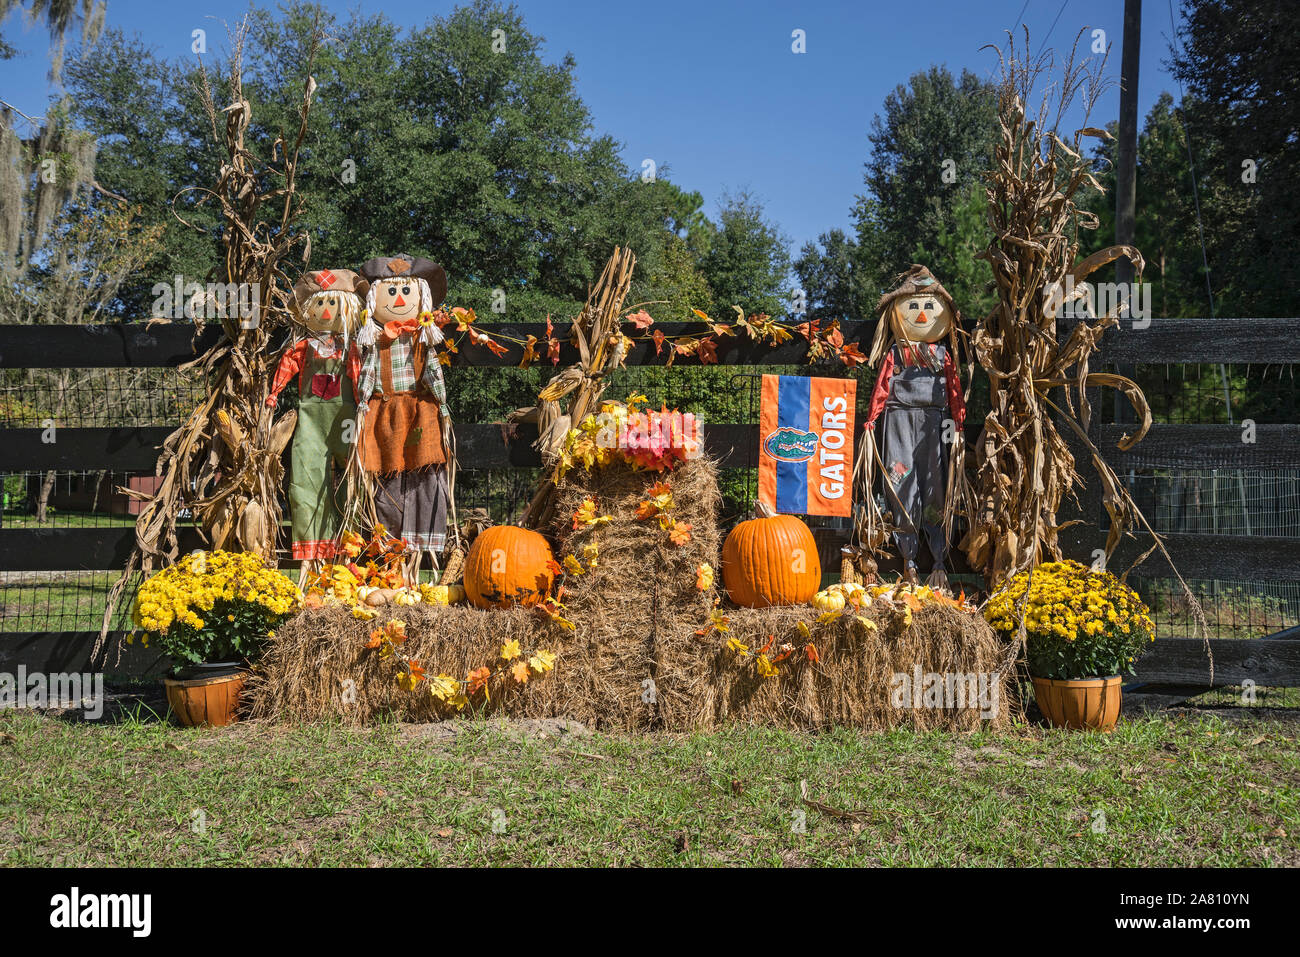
point(326, 403)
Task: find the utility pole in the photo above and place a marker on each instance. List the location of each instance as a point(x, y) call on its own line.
point(1126, 162)
point(1126, 146)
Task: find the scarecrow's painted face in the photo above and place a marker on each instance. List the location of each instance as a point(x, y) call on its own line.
point(921, 318)
point(396, 299)
point(331, 312)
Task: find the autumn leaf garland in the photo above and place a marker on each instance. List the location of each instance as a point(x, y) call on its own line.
point(765, 661)
point(657, 504)
point(514, 662)
point(824, 343)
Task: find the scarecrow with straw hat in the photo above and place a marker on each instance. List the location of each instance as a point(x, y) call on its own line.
point(919, 395)
point(404, 434)
point(327, 365)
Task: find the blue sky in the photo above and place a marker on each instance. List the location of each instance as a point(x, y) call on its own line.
point(713, 90)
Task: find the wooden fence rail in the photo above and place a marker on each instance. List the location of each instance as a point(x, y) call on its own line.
point(489, 446)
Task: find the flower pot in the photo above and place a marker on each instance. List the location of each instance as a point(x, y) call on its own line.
point(211, 699)
point(1079, 703)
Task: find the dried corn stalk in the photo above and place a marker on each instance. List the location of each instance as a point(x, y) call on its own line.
point(1023, 467)
point(601, 347)
point(224, 463)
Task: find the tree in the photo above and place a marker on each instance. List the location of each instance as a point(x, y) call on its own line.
point(930, 147)
point(747, 262)
point(1166, 231)
point(1240, 64)
point(835, 277)
point(60, 17)
point(961, 236)
point(677, 281)
point(455, 140)
point(152, 143)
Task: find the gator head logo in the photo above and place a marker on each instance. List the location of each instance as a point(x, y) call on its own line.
point(788, 444)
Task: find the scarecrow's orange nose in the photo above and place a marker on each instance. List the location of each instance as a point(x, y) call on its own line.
point(400, 301)
point(921, 320)
point(325, 315)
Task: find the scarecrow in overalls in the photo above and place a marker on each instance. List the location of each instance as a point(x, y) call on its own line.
point(327, 365)
point(405, 426)
point(918, 391)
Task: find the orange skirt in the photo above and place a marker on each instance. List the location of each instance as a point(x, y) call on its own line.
point(402, 432)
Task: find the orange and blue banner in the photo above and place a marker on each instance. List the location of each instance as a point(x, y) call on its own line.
point(805, 445)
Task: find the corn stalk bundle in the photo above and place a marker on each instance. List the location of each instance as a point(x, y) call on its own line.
point(1023, 466)
point(601, 348)
point(224, 463)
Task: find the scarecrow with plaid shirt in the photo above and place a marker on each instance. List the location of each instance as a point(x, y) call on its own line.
point(404, 425)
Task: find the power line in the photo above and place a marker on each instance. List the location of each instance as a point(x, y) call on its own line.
point(1043, 45)
point(1020, 16)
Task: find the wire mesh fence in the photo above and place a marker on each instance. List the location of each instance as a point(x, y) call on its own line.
point(502, 493)
point(74, 599)
point(1211, 393)
point(1233, 609)
point(59, 601)
point(90, 398)
point(97, 498)
point(1188, 501)
point(1219, 501)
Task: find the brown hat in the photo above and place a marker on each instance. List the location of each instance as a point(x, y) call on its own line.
point(403, 266)
point(917, 281)
point(328, 280)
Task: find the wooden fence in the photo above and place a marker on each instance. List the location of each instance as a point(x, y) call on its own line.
point(1179, 661)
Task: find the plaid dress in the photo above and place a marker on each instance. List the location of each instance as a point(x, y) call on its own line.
point(401, 440)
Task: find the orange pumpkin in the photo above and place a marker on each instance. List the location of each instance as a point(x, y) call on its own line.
point(508, 565)
point(771, 560)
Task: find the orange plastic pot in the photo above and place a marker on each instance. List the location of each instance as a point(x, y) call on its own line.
point(1079, 703)
point(198, 701)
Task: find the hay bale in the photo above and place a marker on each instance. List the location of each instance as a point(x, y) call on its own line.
point(853, 683)
point(319, 667)
point(639, 607)
point(636, 661)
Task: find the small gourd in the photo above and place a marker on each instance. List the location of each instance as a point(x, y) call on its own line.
point(829, 599)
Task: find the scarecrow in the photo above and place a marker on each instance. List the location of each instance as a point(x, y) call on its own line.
point(918, 391)
point(404, 431)
point(327, 366)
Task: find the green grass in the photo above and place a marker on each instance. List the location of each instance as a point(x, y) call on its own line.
point(1174, 791)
